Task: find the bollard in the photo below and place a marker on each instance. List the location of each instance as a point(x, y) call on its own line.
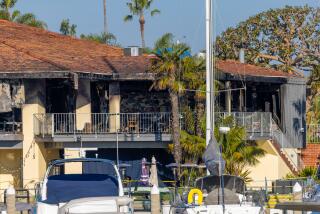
point(11, 200)
point(155, 200)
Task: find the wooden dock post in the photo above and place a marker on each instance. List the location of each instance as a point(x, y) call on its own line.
point(11, 200)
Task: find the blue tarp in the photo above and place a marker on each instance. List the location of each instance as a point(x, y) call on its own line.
point(63, 188)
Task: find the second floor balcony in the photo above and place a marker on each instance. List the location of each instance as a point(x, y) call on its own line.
point(142, 127)
point(103, 127)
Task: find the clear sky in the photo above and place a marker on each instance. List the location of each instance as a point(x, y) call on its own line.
point(183, 18)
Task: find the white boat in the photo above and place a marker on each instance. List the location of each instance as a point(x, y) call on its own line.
point(82, 185)
point(235, 200)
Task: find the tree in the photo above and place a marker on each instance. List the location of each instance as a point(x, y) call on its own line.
point(194, 76)
point(236, 151)
point(286, 38)
point(16, 16)
point(68, 29)
point(138, 8)
point(165, 41)
point(102, 38)
point(167, 66)
point(313, 100)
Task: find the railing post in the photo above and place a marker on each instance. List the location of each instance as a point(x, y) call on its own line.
point(42, 124)
point(271, 124)
point(261, 124)
point(52, 125)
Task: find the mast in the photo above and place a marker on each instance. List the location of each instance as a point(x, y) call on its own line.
point(209, 76)
point(105, 17)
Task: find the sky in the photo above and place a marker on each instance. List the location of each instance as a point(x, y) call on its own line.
point(184, 18)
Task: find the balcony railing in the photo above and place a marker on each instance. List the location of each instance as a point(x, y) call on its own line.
point(260, 125)
point(101, 123)
point(257, 124)
point(313, 133)
point(8, 127)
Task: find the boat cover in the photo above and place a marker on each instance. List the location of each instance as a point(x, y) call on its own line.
point(64, 188)
point(212, 182)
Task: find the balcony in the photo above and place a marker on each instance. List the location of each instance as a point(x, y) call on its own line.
point(258, 125)
point(96, 128)
point(11, 135)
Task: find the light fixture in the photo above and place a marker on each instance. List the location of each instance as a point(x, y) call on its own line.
point(224, 130)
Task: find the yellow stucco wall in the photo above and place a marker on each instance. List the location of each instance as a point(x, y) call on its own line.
point(34, 163)
point(271, 166)
point(34, 153)
point(10, 168)
point(72, 168)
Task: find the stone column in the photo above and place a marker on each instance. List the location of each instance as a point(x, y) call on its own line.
point(83, 106)
point(34, 160)
point(228, 96)
point(114, 106)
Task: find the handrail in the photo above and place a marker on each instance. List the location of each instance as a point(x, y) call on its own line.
point(101, 123)
point(279, 137)
point(313, 133)
point(262, 125)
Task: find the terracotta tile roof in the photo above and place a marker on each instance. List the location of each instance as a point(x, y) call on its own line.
point(237, 68)
point(29, 49)
point(25, 49)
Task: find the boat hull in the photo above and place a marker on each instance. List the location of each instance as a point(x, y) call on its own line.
point(217, 209)
point(88, 205)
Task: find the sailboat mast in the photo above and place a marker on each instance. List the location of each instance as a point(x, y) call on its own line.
point(209, 76)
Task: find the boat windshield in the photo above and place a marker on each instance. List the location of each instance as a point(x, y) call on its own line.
point(83, 167)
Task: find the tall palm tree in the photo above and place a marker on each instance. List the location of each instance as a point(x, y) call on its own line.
point(167, 66)
point(138, 8)
point(16, 16)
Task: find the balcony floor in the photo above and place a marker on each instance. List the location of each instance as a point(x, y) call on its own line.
point(11, 141)
point(107, 140)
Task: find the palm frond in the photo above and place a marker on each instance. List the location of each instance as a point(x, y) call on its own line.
point(155, 12)
point(15, 14)
point(128, 18)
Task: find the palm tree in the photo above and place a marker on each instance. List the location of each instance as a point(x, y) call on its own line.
point(102, 38)
point(16, 16)
point(167, 67)
point(67, 29)
point(194, 76)
point(165, 41)
point(237, 152)
point(138, 8)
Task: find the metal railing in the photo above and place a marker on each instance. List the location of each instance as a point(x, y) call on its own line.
point(101, 123)
point(8, 127)
point(313, 133)
point(257, 124)
point(286, 147)
point(261, 125)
